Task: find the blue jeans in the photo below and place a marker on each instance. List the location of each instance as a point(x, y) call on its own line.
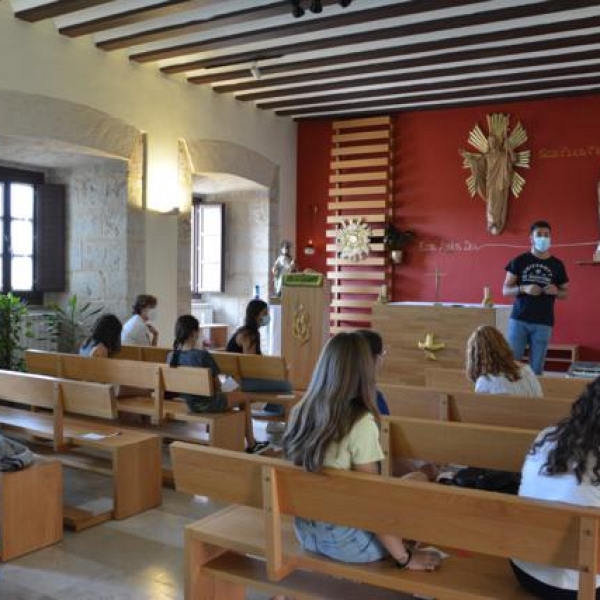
point(345, 544)
point(537, 336)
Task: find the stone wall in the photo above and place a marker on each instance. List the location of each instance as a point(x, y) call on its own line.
point(97, 235)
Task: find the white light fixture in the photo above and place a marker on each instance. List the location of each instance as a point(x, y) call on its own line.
point(309, 249)
point(255, 71)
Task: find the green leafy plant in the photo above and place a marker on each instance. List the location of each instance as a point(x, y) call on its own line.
point(396, 239)
point(14, 325)
point(69, 326)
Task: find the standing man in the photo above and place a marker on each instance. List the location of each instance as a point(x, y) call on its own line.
point(536, 279)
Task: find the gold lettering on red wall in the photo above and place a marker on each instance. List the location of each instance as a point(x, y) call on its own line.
point(569, 152)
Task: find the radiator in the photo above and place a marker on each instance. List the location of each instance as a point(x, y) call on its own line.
point(40, 339)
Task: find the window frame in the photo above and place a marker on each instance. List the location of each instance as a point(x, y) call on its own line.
point(8, 176)
point(198, 202)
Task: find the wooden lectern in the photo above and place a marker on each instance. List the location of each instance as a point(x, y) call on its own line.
point(304, 323)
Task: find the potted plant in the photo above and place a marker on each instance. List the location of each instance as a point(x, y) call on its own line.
point(395, 240)
point(69, 326)
point(14, 325)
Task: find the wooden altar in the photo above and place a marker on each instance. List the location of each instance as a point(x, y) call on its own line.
point(404, 324)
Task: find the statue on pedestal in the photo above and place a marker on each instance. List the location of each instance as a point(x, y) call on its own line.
point(283, 264)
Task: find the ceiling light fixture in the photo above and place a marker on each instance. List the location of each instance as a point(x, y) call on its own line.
point(316, 6)
point(255, 71)
point(297, 10)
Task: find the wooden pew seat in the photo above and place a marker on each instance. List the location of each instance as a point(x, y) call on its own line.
point(242, 530)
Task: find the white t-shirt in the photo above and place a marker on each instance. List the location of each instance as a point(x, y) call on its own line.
point(556, 488)
point(359, 447)
point(528, 385)
point(135, 332)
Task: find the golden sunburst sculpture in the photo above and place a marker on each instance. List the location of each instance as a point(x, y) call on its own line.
point(352, 239)
point(493, 173)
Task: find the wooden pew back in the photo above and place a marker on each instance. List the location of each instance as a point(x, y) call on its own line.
point(480, 522)
point(469, 407)
point(564, 388)
point(484, 446)
point(81, 398)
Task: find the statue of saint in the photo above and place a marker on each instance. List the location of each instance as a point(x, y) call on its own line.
point(282, 265)
point(492, 171)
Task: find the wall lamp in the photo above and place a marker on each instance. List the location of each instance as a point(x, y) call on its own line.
point(315, 7)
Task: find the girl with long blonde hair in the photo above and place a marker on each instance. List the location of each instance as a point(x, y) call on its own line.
point(491, 365)
point(336, 425)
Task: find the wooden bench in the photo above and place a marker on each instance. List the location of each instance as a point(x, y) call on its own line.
point(67, 413)
point(252, 544)
point(225, 430)
point(565, 388)
point(31, 508)
point(469, 407)
point(239, 366)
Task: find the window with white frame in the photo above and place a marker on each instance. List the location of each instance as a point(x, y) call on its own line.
point(207, 246)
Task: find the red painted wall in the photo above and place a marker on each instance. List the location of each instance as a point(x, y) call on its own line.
point(431, 198)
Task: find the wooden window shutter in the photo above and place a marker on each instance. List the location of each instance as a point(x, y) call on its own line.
point(50, 239)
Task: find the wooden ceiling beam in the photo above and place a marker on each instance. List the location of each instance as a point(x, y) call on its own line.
point(55, 9)
point(374, 55)
point(584, 71)
point(344, 111)
point(458, 98)
point(431, 74)
point(129, 17)
point(315, 79)
point(273, 34)
point(446, 43)
point(156, 34)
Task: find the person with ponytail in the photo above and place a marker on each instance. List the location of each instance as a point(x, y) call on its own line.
point(186, 354)
point(563, 465)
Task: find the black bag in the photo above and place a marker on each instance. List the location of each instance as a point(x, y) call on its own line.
point(491, 480)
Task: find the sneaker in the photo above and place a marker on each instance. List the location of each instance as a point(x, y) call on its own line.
point(257, 448)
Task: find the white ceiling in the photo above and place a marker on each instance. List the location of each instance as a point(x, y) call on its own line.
point(371, 57)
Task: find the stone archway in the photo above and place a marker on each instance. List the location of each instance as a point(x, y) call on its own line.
point(213, 156)
point(111, 272)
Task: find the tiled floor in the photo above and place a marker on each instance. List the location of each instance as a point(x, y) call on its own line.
point(140, 558)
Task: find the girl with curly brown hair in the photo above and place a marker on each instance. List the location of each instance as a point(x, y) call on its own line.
point(493, 368)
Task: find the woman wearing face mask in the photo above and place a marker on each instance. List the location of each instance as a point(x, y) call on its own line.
point(246, 339)
point(138, 330)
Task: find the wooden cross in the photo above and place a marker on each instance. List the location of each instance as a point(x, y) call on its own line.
point(438, 276)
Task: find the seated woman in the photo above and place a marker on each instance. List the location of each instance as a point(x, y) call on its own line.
point(105, 339)
point(246, 340)
point(563, 466)
point(137, 329)
point(335, 425)
point(493, 368)
point(186, 354)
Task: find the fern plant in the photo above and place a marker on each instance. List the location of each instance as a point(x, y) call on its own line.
point(69, 326)
point(14, 326)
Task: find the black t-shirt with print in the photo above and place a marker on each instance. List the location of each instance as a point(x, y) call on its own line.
point(541, 271)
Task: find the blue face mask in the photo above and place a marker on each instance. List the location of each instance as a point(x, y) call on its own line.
point(541, 244)
point(264, 320)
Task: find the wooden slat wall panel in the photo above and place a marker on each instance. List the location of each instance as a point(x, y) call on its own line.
point(356, 285)
point(352, 150)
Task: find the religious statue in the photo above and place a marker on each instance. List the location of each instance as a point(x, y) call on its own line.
point(283, 264)
point(493, 173)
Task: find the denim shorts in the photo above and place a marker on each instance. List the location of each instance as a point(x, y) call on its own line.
point(345, 544)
